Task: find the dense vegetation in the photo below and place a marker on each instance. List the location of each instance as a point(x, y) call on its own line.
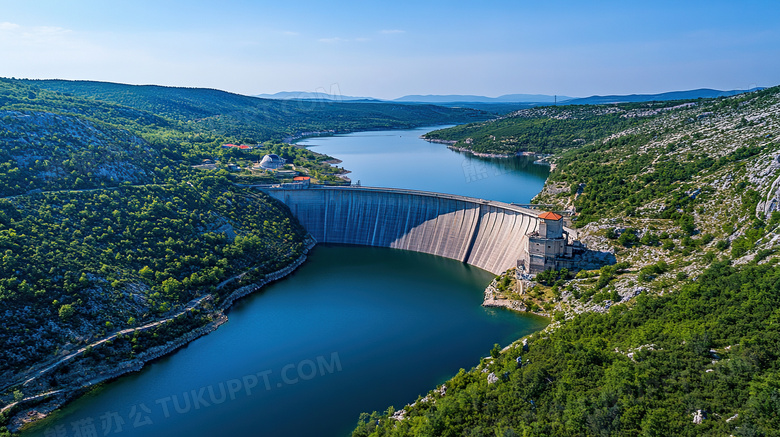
point(76, 257)
point(678, 337)
point(109, 222)
point(253, 120)
point(549, 129)
point(643, 370)
point(623, 174)
point(74, 140)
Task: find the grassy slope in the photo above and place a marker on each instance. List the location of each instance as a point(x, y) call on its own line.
point(702, 333)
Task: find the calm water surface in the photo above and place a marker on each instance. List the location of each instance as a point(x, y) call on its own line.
point(401, 159)
point(354, 329)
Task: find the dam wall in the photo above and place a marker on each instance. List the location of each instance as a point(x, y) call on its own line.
point(489, 235)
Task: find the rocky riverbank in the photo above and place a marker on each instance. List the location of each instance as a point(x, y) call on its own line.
point(271, 277)
point(480, 154)
point(451, 145)
point(46, 400)
point(496, 298)
point(493, 300)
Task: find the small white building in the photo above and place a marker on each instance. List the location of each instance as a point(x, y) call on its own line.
point(271, 161)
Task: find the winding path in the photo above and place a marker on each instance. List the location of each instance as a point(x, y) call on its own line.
point(189, 307)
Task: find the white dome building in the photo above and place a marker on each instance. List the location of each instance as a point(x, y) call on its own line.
point(271, 161)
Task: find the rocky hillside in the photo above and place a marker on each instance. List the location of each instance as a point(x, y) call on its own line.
point(46, 151)
point(550, 129)
point(679, 336)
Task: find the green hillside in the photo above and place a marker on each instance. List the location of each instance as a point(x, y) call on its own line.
point(105, 226)
point(550, 129)
point(252, 120)
point(680, 337)
point(111, 229)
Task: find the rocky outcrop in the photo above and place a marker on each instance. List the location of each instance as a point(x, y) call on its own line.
point(491, 299)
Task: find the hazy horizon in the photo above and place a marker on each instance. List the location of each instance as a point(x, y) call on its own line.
point(389, 51)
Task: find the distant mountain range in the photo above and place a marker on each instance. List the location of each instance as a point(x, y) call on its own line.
point(431, 98)
point(305, 95)
point(450, 99)
point(705, 93)
point(507, 98)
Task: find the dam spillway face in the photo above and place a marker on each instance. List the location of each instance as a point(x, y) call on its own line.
point(488, 235)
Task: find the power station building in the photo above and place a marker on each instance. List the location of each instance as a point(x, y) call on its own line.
point(548, 247)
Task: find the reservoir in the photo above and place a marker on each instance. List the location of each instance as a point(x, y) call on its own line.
point(400, 159)
point(354, 329)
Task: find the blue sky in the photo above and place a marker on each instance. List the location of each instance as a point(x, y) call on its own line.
point(390, 49)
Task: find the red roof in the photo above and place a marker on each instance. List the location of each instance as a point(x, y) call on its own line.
point(550, 216)
point(301, 178)
point(244, 146)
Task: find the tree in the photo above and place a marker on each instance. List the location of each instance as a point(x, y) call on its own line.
point(171, 288)
point(66, 311)
point(146, 273)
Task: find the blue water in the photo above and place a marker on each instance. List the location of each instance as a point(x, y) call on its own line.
point(354, 329)
point(401, 159)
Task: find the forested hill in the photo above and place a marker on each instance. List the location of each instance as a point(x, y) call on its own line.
point(679, 337)
point(119, 220)
point(106, 227)
point(551, 129)
point(251, 119)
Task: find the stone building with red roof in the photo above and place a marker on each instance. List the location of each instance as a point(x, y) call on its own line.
point(547, 247)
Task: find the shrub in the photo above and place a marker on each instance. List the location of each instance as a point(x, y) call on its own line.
point(628, 238)
point(648, 273)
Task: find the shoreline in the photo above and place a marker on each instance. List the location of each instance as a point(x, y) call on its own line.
point(451, 145)
point(483, 155)
point(491, 301)
point(293, 140)
point(51, 401)
point(46, 403)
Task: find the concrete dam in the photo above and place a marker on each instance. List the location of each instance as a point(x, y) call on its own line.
point(486, 234)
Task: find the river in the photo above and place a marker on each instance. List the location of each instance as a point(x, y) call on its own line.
point(354, 329)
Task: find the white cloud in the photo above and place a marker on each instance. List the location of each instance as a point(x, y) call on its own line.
point(333, 40)
point(8, 26)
